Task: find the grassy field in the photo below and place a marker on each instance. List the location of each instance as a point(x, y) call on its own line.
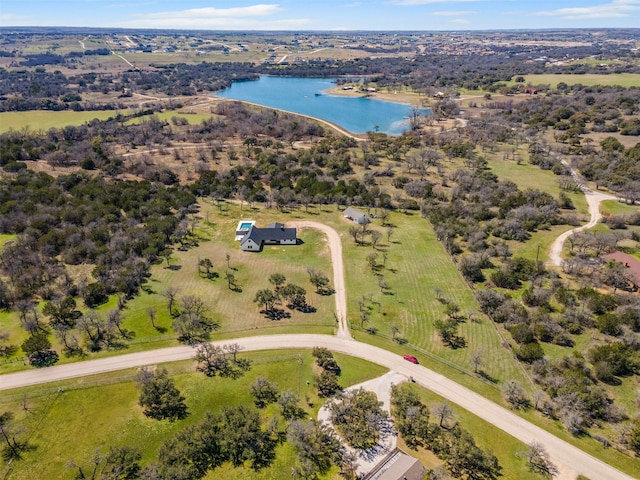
point(528, 176)
point(45, 119)
point(613, 207)
point(57, 422)
point(590, 79)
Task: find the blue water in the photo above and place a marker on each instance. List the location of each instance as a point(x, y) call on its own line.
point(355, 114)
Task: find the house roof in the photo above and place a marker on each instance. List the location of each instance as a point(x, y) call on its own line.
point(397, 466)
point(260, 235)
point(632, 263)
point(354, 213)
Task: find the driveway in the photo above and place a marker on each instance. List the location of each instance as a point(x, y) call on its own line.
point(568, 458)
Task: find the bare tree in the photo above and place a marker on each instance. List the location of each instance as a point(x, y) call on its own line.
point(539, 461)
point(444, 413)
point(170, 294)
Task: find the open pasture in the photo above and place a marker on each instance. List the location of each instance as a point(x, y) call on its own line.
point(56, 422)
point(589, 79)
point(36, 120)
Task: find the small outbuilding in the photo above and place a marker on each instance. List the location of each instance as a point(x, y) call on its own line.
point(356, 216)
point(629, 262)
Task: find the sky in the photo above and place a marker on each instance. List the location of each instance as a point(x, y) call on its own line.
point(324, 15)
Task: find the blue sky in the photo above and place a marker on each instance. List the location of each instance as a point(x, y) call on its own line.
point(323, 14)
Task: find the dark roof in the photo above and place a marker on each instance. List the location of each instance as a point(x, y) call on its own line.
point(269, 234)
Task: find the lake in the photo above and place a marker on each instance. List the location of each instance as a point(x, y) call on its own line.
point(305, 96)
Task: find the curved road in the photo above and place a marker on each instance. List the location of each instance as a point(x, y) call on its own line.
point(594, 198)
point(565, 456)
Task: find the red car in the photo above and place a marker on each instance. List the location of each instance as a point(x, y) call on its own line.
point(410, 358)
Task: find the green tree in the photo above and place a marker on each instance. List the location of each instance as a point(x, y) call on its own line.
point(266, 298)
point(359, 418)
point(277, 280)
point(159, 396)
point(263, 392)
point(411, 415)
point(327, 384)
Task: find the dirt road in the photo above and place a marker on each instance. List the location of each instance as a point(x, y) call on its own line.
point(567, 457)
point(335, 246)
point(594, 198)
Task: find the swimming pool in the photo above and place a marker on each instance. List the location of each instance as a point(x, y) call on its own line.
point(245, 226)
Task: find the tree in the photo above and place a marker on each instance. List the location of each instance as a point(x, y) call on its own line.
point(263, 392)
point(411, 415)
point(539, 461)
point(242, 438)
point(317, 447)
point(319, 280)
point(327, 384)
point(467, 460)
point(193, 324)
point(476, 360)
point(443, 412)
point(289, 405)
point(359, 418)
point(266, 298)
point(514, 394)
point(62, 312)
point(212, 360)
point(121, 463)
point(159, 396)
point(634, 437)
point(151, 313)
point(170, 294)
point(277, 280)
point(38, 348)
point(231, 281)
point(294, 295)
point(12, 447)
point(375, 237)
point(207, 265)
point(354, 231)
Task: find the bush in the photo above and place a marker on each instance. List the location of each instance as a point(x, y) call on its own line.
point(530, 352)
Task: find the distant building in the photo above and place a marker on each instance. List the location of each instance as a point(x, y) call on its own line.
point(356, 216)
point(531, 90)
point(275, 234)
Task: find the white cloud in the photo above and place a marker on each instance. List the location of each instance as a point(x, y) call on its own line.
point(453, 13)
point(7, 18)
point(254, 17)
point(353, 5)
point(614, 9)
point(428, 2)
point(460, 21)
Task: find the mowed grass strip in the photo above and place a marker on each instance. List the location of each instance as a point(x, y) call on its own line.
point(72, 424)
point(588, 79)
point(417, 267)
point(45, 119)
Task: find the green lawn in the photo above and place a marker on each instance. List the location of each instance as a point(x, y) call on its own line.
point(614, 207)
point(590, 79)
point(167, 116)
point(72, 424)
point(46, 119)
point(528, 176)
point(6, 237)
